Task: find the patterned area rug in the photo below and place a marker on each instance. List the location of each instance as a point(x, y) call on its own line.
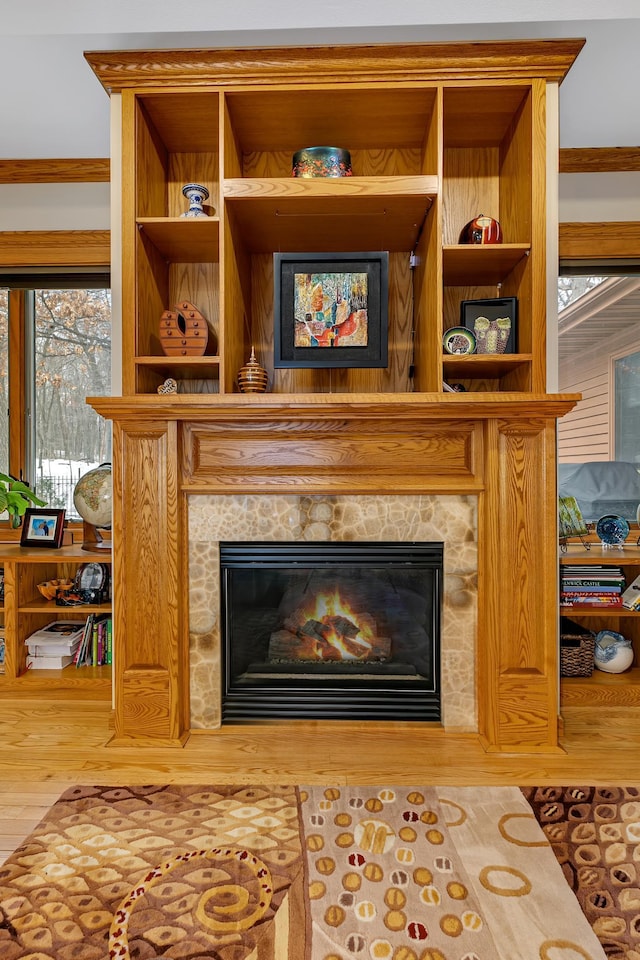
point(292, 873)
point(595, 835)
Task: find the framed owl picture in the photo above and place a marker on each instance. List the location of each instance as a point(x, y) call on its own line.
point(494, 323)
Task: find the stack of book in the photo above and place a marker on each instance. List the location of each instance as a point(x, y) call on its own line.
point(592, 585)
point(54, 646)
point(1, 647)
point(96, 646)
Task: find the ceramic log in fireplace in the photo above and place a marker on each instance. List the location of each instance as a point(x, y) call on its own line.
point(331, 630)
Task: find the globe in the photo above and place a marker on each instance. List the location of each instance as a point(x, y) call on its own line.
point(93, 499)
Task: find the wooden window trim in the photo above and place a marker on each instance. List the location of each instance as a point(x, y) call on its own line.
point(38, 249)
point(60, 248)
point(599, 240)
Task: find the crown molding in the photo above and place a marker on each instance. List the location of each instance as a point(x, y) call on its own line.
point(467, 60)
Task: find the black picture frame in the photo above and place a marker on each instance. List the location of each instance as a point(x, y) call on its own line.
point(304, 281)
point(42, 527)
point(488, 335)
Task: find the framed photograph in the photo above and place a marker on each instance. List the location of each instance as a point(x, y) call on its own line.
point(330, 309)
point(494, 324)
point(42, 527)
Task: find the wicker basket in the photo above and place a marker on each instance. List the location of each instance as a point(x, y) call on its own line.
point(576, 649)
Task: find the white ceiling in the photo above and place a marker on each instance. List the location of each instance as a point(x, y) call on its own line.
point(51, 104)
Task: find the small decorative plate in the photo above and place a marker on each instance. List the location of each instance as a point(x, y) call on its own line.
point(612, 530)
point(459, 340)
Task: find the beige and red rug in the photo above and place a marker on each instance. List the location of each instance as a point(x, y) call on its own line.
point(297, 873)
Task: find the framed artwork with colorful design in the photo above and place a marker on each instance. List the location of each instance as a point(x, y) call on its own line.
point(494, 323)
point(331, 309)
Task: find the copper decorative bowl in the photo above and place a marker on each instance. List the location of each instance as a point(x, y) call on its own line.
point(52, 589)
point(321, 162)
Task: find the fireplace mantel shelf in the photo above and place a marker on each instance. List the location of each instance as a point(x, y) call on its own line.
point(436, 406)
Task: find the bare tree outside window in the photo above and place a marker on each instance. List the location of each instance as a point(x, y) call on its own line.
point(571, 289)
point(72, 362)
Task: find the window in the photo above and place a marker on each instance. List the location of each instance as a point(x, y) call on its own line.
point(627, 407)
point(598, 336)
point(4, 379)
point(65, 355)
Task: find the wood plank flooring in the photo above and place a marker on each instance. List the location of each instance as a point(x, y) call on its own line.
point(50, 744)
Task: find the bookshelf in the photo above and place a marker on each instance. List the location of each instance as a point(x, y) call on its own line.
point(24, 610)
point(604, 689)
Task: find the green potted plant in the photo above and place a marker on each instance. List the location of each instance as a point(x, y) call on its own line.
point(15, 497)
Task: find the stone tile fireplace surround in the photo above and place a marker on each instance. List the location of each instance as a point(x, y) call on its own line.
point(272, 517)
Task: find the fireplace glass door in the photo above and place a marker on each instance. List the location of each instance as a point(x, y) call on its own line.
point(331, 630)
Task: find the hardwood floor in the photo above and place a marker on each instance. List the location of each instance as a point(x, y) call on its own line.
point(50, 744)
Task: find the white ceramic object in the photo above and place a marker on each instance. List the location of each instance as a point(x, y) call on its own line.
point(196, 194)
point(612, 653)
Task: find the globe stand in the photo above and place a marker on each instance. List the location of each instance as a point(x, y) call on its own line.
point(92, 539)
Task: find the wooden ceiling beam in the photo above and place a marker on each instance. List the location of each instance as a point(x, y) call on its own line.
point(55, 171)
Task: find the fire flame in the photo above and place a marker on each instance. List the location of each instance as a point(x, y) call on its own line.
point(328, 605)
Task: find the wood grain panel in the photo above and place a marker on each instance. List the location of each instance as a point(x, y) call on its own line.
point(369, 162)
point(129, 242)
point(597, 240)
point(437, 454)
point(235, 305)
point(198, 284)
point(152, 163)
point(525, 723)
point(193, 168)
point(470, 187)
point(146, 701)
point(263, 118)
point(67, 248)
point(517, 584)
point(148, 620)
point(599, 159)
point(516, 162)
point(153, 298)
point(529, 278)
point(179, 120)
point(183, 240)
point(55, 171)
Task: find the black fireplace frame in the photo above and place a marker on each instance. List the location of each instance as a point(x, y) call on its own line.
point(320, 698)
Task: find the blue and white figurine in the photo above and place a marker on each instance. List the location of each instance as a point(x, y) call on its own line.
point(612, 653)
point(196, 194)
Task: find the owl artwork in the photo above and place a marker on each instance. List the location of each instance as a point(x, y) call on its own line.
point(491, 335)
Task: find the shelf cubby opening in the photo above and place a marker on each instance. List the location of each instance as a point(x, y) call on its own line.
point(382, 127)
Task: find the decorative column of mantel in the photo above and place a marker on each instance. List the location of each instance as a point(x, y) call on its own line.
point(499, 447)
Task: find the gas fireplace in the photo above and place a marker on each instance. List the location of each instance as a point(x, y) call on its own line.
point(331, 630)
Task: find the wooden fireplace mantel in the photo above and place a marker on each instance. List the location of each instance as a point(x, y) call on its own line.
point(498, 447)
